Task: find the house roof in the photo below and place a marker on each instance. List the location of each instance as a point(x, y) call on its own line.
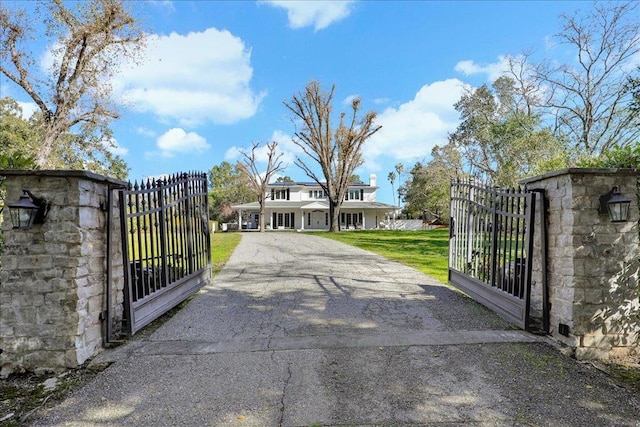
point(313, 184)
point(314, 204)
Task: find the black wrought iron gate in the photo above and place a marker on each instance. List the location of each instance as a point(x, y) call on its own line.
point(165, 245)
point(491, 247)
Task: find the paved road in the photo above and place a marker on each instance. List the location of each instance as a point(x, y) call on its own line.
point(298, 330)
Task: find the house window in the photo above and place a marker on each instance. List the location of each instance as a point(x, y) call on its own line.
point(309, 218)
point(316, 194)
point(326, 219)
point(353, 195)
point(280, 194)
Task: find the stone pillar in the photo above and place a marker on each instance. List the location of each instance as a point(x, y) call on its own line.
point(53, 280)
point(592, 263)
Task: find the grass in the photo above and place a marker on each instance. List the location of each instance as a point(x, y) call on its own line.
point(427, 251)
point(222, 246)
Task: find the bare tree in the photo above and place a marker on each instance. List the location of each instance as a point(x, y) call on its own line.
point(258, 181)
point(589, 97)
point(337, 152)
point(89, 42)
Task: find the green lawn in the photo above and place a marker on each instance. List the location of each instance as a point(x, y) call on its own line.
point(427, 251)
point(222, 246)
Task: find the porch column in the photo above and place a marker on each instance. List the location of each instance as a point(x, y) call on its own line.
point(239, 219)
point(303, 219)
point(364, 220)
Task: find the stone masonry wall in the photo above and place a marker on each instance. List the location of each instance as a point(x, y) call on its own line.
point(53, 277)
point(592, 263)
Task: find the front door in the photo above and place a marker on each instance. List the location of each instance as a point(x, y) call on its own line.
point(316, 220)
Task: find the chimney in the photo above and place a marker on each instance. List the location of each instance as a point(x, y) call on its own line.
point(372, 180)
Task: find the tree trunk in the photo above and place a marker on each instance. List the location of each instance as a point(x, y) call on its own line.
point(44, 151)
point(261, 220)
point(334, 217)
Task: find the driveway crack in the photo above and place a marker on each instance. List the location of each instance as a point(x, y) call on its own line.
point(284, 393)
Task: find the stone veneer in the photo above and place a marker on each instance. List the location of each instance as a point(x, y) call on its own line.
point(592, 263)
point(53, 276)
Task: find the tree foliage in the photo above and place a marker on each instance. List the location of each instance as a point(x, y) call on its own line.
point(285, 178)
point(499, 139)
point(227, 187)
point(257, 180)
point(89, 40)
point(337, 152)
point(17, 137)
point(616, 157)
point(427, 187)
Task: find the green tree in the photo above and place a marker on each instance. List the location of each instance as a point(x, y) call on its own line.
point(89, 38)
point(285, 178)
point(427, 187)
point(355, 179)
point(500, 140)
point(226, 187)
point(616, 157)
point(336, 152)
point(17, 137)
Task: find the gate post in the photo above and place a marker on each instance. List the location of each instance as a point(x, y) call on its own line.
point(53, 282)
point(592, 262)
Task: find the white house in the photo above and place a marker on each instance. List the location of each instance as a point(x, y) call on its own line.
point(304, 206)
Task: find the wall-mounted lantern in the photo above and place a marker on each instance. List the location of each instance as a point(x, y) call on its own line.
point(615, 204)
point(28, 210)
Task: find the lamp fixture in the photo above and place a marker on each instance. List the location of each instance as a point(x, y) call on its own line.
point(615, 204)
point(28, 210)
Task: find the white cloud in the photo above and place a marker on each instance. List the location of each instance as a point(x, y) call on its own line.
point(194, 78)
point(176, 140)
point(285, 146)
point(320, 14)
point(145, 131)
point(493, 70)
point(114, 148)
point(410, 131)
point(349, 100)
point(28, 108)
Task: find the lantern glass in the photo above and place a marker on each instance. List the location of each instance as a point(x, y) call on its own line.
point(616, 205)
point(23, 211)
point(619, 211)
point(22, 218)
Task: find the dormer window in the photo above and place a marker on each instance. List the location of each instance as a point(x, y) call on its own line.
point(354, 195)
point(280, 194)
point(316, 194)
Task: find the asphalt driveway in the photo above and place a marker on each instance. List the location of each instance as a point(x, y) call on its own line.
point(298, 330)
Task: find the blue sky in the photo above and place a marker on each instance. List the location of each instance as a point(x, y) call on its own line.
point(215, 74)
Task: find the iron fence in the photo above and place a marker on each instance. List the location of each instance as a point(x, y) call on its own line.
point(166, 244)
point(491, 245)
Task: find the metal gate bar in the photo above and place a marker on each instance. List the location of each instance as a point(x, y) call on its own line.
point(166, 245)
point(491, 246)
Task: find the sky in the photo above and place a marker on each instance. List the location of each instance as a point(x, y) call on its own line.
point(215, 74)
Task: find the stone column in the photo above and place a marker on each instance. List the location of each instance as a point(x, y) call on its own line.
point(592, 263)
point(53, 280)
